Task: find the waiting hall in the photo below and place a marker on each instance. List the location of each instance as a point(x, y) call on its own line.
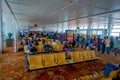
point(59, 39)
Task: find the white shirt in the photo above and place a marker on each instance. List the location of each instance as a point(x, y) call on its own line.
point(54, 43)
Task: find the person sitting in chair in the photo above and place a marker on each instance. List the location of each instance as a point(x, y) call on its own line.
point(68, 49)
point(48, 48)
point(54, 42)
point(33, 50)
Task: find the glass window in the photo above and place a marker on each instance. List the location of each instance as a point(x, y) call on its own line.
point(101, 27)
point(114, 34)
point(116, 26)
point(116, 30)
point(85, 27)
point(94, 32)
point(95, 27)
point(81, 27)
point(106, 27)
point(84, 32)
point(99, 32)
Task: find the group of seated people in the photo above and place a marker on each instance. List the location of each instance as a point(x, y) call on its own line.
point(48, 48)
point(99, 43)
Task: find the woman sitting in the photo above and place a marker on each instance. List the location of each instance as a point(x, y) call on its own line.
point(32, 48)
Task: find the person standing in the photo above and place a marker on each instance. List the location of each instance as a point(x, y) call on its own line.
point(103, 45)
point(77, 40)
point(107, 43)
point(87, 42)
point(99, 42)
point(111, 42)
point(116, 46)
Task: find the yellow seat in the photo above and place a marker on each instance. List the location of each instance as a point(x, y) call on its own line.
point(38, 48)
point(49, 60)
point(41, 47)
point(91, 54)
point(109, 78)
point(114, 73)
point(35, 62)
point(57, 47)
point(25, 49)
point(69, 54)
point(85, 55)
point(49, 42)
point(81, 56)
point(75, 56)
point(60, 58)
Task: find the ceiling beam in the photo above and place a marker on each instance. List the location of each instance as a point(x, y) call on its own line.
point(91, 5)
point(71, 3)
point(89, 16)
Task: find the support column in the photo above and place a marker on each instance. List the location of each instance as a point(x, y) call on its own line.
point(69, 25)
point(78, 23)
point(62, 27)
point(1, 31)
point(78, 26)
point(110, 25)
point(89, 29)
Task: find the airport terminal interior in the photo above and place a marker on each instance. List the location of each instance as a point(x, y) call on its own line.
point(59, 39)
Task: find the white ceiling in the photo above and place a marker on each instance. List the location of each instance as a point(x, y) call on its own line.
point(53, 11)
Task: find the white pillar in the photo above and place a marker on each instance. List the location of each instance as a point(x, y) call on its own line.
point(110, 25)
point(89, 29)
point(1, 31)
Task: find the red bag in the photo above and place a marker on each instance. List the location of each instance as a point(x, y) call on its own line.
point(64, 49)
point(95, 42)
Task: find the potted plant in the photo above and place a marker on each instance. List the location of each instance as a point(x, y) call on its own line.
point(9, 35)
point(9, 41)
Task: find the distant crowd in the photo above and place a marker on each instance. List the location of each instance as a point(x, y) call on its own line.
point(97, 43)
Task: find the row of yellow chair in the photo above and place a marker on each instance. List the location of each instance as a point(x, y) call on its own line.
point(40, 47)
point(46, 60)
point(49, 60)
point(57, 47)
point(79, 56)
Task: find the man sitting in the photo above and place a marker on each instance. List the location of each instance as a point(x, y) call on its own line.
point(48, 48)
point(68, 49)
point(54, 42)
point(32, 48)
